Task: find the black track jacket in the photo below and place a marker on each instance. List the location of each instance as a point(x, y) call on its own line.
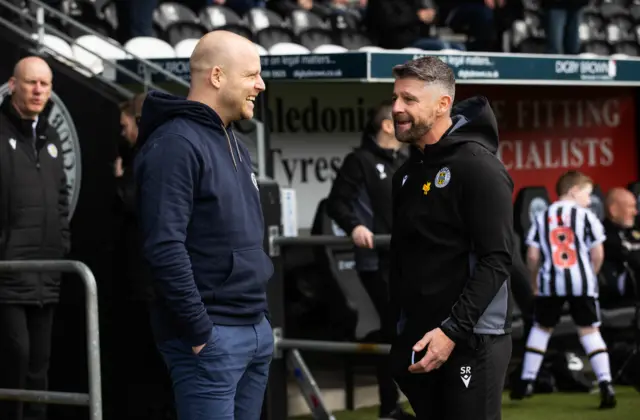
point(361, 195)
point(452, 232)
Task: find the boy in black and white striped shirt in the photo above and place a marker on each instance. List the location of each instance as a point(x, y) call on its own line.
point(565, 254)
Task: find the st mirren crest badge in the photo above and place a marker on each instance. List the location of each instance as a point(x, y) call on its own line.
point(442, 178)
point(60, 120)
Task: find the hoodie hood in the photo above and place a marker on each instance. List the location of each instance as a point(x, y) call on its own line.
point(473, 122)
point(158, 108)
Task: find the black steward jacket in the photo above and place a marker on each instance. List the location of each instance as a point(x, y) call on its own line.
point(452, 235)
point(361, 195)
point(33, 205)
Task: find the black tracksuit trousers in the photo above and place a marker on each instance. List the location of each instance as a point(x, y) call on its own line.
point(25, 347)
point(467, 386)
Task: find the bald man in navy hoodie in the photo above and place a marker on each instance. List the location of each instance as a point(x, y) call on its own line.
point(203, 229)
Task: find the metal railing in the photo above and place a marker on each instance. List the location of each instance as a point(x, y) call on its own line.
point(42, 27)
point(93, 399)
point(289, 348)
point(146, 67)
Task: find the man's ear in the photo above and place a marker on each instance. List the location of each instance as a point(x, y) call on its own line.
point(444, 105)
point(12, 84)
point(388, 127)
point(215, 77)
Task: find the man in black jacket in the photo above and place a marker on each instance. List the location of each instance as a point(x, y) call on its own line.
point(621, 248)
point(450, 249)
point(33, 225)
point(360, 203)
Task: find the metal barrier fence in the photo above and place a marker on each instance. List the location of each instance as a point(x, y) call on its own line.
point(94, 398)
point(289, 349)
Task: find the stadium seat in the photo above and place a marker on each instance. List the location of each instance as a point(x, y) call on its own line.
point(353, 40)
point(185, 47)
point(61, 48)
point(261, 49)
point(634, 12)
point(413, 50)
point(529, 201)
point(260, 19)
point(220, 17)
point(330, 49)
point(288, 48)
point(176, 22)
point(344, 21)
point(314, 37)
point(149, 48)
point(104, 50)
point(371, 48)
point(611, 10)
point(270, 36)
point(634, 187)
point(302, 20)
point(597, 203)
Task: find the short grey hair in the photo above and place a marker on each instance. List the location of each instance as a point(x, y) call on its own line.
point(432, 70)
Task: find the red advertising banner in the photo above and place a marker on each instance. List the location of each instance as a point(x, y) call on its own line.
point(546, 131)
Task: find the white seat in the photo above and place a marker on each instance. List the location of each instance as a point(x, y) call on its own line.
point(413, 50)
point(149, 48)
point(103, 51)
point(261, 50)
point(288, 48)
point(330, 49)
point(371, 48)
point(620, 56)
point(57, 45)
point(185, 48)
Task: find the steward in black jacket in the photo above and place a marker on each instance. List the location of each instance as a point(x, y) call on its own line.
point(360, 203)
point(33, 226)
point(361, 194)
point(33, 205)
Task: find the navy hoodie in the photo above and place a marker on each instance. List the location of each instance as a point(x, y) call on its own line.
point(201, 221)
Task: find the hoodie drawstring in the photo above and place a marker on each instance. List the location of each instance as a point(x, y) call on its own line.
point(233, 157)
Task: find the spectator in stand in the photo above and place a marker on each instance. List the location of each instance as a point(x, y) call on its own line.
point(285, 7)
point(562, 23)
point(621, 248)
point(34, 225)
point(135, 18)
point(476, 19)
point(143, 383)
point(239, 6)
point(396, 24)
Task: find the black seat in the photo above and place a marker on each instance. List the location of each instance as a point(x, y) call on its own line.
point(222, 18)
point(597, 203)
point(175, 22)
point(272, 35)
point(634, 187)
point(301, 20)
point(259, 19)
point(314, 37)
point(529, 201)
point(353, 40)
point(340, 261)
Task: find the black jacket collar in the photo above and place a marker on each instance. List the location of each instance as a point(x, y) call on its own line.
point(25, 127)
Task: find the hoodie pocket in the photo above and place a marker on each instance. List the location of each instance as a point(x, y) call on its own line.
point(247, 282)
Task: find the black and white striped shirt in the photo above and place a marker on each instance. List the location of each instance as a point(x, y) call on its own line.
point(565, 233)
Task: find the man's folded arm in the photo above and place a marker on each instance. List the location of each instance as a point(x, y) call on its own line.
point(167, 173)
